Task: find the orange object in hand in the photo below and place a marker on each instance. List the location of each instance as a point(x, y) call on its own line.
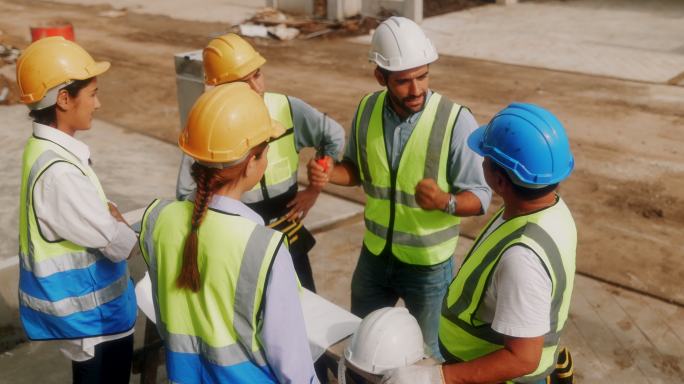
point(323, 162)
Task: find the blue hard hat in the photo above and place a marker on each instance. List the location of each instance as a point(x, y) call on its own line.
point(529, 142)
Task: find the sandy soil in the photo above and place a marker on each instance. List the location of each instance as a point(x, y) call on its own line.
point(627, 192)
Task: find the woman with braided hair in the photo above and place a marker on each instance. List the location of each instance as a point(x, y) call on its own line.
point(224, 286)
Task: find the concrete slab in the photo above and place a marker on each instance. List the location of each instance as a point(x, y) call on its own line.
point(230, 12)
point(629, 39)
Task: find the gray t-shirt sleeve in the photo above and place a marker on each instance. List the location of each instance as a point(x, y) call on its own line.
point(314, 129)
point(465, 166)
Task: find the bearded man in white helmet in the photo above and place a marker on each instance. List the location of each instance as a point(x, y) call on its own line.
point(407, 148)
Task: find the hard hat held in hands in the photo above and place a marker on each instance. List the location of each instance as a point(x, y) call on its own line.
point(52, 62)
point(225, 123)
point(399, 44)
point(387, 338)
point(229, 58)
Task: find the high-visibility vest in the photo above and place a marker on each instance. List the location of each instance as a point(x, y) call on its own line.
point(391, 213)
point(552, 236)
point(210, 335)
point(283, 158)
point(66, 291)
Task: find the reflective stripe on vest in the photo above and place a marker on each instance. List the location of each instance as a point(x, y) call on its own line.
point(66, 290)
point(551, 234)
point(283, 158)
point(417, 236)
point(211, 333)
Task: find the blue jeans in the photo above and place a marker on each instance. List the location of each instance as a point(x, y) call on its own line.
point(379, 281)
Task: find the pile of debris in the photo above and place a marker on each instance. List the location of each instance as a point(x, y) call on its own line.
point(9, 92)
point(8, 54)
point(270, 22)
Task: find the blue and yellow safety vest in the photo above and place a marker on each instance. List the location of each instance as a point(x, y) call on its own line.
point(66, 291)
point(211, 336)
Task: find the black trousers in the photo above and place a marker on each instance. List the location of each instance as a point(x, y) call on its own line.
point(111, 364)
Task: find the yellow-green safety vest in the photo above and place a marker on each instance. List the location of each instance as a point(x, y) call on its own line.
point(66, 291)
point(551, 234)
point(391, 213)
point(283, 158)
point(210, 335)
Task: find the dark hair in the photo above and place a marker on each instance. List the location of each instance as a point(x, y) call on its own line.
point(520, 191)
point(48, 116)
point(209, 180)
point(384, 72)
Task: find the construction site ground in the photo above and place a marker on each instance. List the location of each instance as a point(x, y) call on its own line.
point(626, 193)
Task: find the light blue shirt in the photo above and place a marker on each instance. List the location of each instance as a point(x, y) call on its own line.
point(283, 333)
point(464, 168)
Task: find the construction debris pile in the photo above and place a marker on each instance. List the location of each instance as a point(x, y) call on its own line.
point(9, 94)
point(270, 22)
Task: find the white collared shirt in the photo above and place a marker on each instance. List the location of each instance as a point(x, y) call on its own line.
point(68, 206)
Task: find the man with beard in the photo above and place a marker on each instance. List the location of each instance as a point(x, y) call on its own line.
point(407, 148)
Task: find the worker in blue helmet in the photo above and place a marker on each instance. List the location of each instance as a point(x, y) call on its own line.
point(505, 310)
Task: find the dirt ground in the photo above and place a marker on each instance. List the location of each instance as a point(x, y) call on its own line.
point(627, 192)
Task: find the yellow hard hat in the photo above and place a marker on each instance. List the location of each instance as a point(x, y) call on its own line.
point(225, 123)
point(50, 62)
point(229, 58)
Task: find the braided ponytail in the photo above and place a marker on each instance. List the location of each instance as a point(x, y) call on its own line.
point(209, 181)
point(206, 179)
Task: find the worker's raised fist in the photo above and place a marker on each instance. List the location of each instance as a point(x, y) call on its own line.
point(429, 196)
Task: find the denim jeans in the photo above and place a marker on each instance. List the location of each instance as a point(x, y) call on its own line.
point(379, 281)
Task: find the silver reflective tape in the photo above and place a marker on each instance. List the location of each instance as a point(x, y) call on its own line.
point(225, 356)
point(255, 195)
point(38, 165)
point(62, 263)
point(362, 135)
point(384, 193)
point(437, 133)
point(71, 305)
point(413, 240)
point(246, 287)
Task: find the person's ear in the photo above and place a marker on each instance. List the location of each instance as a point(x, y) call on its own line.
point(380, 77)
point(251, 167)
point(63, 101)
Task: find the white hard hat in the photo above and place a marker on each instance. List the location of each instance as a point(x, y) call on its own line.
point(399, 44)
point(387, 338)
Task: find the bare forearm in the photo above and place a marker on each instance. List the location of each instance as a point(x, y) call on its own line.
point(345, 173)
point(467, 204)
point(496, 367)
point(519, 357)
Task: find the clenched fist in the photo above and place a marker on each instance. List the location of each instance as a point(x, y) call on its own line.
point(429, 196)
